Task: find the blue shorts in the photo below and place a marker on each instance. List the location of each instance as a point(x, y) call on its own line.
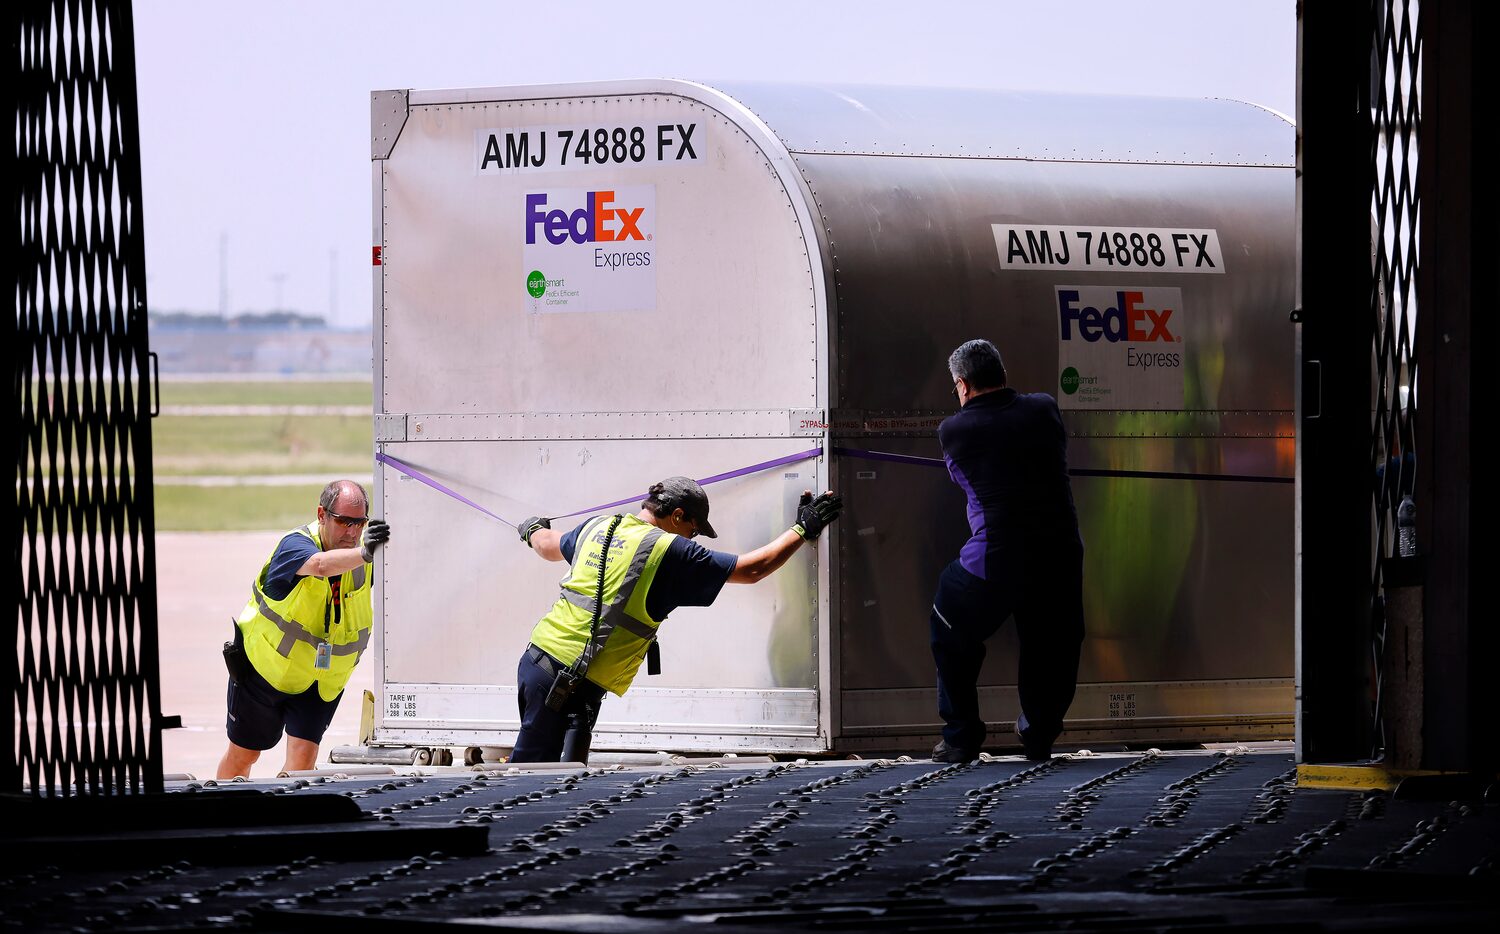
point(258, 713)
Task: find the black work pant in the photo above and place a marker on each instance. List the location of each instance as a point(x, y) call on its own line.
point(542, 728)
point(1048, 607)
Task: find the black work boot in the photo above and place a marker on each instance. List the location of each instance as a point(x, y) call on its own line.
point(1035, 751)
point(942, 752)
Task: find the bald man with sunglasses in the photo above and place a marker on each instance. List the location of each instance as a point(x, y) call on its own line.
point(301, 635)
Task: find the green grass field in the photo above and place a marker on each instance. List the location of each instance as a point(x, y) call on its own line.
point(265, 393)
point(330, 446)
point(235, 508)
point(261, 445)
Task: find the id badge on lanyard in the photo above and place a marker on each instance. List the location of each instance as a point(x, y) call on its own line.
point(332, 613)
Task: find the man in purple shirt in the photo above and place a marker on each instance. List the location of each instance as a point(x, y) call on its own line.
point(1008, 451)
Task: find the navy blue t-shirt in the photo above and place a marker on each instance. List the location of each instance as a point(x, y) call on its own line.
point(689, 575)
point(281, 574)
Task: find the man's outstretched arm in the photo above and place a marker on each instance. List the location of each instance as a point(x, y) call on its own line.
point(756, 565)
point(813, 515)
point(538, 533)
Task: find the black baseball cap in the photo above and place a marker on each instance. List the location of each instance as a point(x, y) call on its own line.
point(684, 493)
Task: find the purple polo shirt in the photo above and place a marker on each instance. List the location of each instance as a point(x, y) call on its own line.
point(1008, 452)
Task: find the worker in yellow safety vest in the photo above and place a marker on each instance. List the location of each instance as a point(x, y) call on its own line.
point(628, 573)
point(302, 632)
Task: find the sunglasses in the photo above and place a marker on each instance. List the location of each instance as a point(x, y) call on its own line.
point(954, 390)
point(348, 522)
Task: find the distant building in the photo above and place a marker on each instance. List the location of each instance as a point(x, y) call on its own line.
point(282, 342)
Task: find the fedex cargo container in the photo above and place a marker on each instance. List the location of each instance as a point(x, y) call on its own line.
point(581, 289)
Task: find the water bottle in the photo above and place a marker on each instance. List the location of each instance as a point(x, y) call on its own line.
point(1406, 527)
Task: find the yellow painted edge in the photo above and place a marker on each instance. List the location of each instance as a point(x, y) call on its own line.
point(367, 719)
point(1347, 777)
point(1356, 777)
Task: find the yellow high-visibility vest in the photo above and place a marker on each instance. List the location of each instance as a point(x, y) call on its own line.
point(282, 636)
point(635, 552)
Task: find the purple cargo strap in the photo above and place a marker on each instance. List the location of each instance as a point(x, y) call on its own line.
point(1072, 471)
point(743, 471)
point(416, 474)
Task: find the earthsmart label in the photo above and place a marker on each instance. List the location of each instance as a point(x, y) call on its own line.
point(1119, 347)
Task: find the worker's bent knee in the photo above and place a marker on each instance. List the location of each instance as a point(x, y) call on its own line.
point(237, 761)
point(301, 754)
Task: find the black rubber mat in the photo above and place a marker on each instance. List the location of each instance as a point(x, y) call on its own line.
point(1108, 843)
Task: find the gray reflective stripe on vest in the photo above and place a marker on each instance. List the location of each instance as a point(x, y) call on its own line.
point(359, 577)
point(628, 623)
point(578, 545)
point(292, 633)
point(582, 541)
point(627, 588)
point(614, 614)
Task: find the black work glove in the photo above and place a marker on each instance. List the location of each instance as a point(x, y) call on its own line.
point(377, 532)
point(815, 514)
point(529, 527)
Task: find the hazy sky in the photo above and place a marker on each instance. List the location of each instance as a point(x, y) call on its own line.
point(255, 116)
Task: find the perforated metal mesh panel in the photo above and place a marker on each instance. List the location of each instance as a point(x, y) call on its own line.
point(1395, 103)
point(82, 680)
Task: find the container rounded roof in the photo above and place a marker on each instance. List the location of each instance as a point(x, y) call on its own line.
point(973, 123)
point(976, 123)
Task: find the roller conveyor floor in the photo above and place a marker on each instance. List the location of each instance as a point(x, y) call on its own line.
point(1173, 841)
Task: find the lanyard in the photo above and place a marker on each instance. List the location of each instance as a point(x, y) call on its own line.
point(334, 608)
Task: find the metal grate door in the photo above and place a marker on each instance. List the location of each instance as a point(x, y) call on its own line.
point(83, 679)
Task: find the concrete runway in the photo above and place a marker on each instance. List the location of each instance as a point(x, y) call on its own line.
point(203, 581)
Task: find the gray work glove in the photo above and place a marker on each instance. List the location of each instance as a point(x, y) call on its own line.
point(813, 515)
point(529, 527)
point(377, 532)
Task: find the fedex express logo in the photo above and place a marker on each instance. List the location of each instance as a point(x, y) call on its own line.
point(1128, 319)
point(590, 250)
point(599, 220)
point(1121, 348)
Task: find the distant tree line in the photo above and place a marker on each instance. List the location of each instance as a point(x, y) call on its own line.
point(245, 319)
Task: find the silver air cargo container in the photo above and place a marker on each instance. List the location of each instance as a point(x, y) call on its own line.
point(581, 289)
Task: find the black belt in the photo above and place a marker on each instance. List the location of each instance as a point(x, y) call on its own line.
point(542, 660)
